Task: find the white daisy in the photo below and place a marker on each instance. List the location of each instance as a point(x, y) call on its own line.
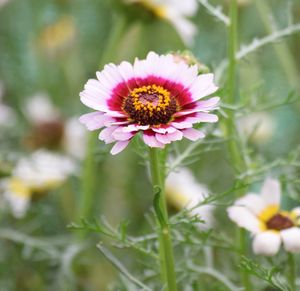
point(183, 191)
point(51, 130)
point(38, 173)
point(176, 12)
point(269, 225)
point(258, 126)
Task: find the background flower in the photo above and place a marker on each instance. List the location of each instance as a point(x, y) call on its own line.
point(183, 191)
point(176, 12)
point(35, 175)
point(270, 226)
point(51, 130)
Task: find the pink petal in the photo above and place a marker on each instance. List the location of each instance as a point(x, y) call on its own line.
point(169, 137)
point(93, 120)
point(192, 134)
point(119, 146)
point(203, 86)
point(106, 134)
point(206, 117)
point(164, 129)
point(204, 105)
point(151, 141)
point(119, 134)
point(135, 127)
point(182, 125)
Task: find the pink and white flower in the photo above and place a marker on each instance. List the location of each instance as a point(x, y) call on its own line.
point(157, 96)
point(270, 226)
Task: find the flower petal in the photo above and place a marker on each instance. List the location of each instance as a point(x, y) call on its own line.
point(291, 239)
point(151, 141)
point(252, 202)
point(169, 137)
point(106, 134)
point(192, 134)
point(266, 243)
point(244, 218)
point(119, 134)
point(270, 192)
point(119, 146)
point(93, 120)
point(203, 86)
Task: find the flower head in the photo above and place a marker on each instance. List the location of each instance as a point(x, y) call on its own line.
point(174, 11)
point(35, 175)
point(262, 216)
point(158, 96)
point(258, 127)
point(51, 130)
point(183, 191)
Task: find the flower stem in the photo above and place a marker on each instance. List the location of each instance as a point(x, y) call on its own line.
point(165, 243)
point(231, 132)
point(292, 271)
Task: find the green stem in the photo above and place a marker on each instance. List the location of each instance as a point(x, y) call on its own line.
point(292, 271)
point(165, 243)
point(282, 50)
point(231, 132)
point(90, 176)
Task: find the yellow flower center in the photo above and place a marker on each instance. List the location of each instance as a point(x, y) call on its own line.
point(19, 188)
point(272, 218)
point(150, 105)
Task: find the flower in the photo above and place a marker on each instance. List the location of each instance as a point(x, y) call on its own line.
point(175, 12)
point(35, 175)
point(3, 2)
point(50, 130)
point(156, 96)
point(258, 126)
point(183, 191)
point(270, 226)
point(58, 37)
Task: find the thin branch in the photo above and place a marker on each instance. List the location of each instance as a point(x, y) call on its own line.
point(258, 43)
point(217, 275)
point(273, 37)
point(109, 256)
point(215, 11)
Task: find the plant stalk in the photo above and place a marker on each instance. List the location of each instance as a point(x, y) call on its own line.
point(165, 243)
point(231, 132)
point(292, 271)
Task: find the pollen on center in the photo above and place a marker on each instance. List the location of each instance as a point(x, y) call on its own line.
point(150, 105)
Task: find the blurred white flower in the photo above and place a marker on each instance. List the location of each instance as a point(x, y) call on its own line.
point(259, 126)
point(51, 130)
point(270, 226)
point(3, 2)
point(40, 172)
point(183, 191)
point(176, 12)
point(75, 138)
point(40, 109)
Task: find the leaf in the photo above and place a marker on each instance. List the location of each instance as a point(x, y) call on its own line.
point(157, 206)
